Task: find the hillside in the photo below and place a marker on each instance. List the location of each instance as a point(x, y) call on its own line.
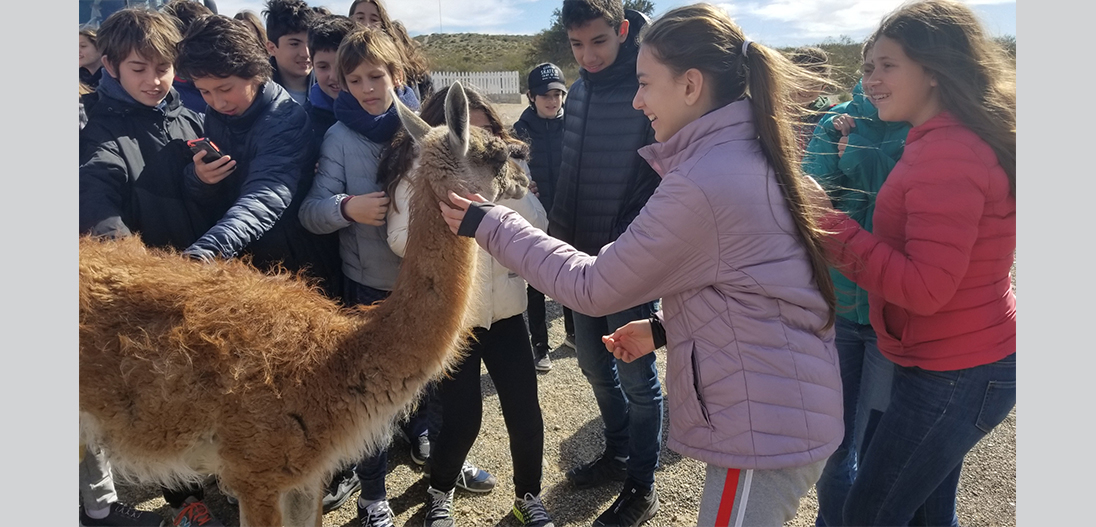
point(478, 52)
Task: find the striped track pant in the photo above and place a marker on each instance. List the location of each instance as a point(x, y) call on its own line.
point(754, 498)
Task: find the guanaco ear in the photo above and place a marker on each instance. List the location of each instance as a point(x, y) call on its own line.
point(416, 127)
point(456, 116)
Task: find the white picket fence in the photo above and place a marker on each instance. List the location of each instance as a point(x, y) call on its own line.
point(486, 82)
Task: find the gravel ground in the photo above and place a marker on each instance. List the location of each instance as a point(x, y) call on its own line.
point(987, 490)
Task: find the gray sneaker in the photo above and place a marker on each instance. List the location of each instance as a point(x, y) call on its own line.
point(474, 479)
point(377, 514)
point(542, 363)
point(439, 508)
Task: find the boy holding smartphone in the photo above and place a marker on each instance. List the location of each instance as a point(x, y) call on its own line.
point(133, 151)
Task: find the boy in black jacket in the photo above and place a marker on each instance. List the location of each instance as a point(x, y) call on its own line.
point(603, 184)
point(541, 127)
point(132, 154)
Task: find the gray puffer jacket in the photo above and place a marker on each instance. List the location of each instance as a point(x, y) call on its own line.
point(348, 166)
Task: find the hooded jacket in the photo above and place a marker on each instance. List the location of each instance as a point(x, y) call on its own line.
point(132, 159)
point(937, 266)
point(254, 209)
point(545, 140)
point(752, 376)
point(603, 183)
point(853, 179)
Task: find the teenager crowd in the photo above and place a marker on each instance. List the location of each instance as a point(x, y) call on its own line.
point(831, 283)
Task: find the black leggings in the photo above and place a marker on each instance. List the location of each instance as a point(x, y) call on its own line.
point(506, 352)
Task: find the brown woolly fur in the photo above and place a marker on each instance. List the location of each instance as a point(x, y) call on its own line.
point(190, 368)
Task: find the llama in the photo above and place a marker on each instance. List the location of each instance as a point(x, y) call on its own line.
point(190, 368)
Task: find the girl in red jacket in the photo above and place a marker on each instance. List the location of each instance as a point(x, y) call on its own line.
point(937, 266)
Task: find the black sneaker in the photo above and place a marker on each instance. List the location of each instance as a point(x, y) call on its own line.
point(569, 341)
point(439, 508)
point(602, 470)
point(339, 489)
point(420, 447)
point(531, 512)
point(122, 515)
point(632, 508)
point(377, 514)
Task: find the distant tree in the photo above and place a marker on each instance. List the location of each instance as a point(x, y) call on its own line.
point(646, 7)
point(1008, 43)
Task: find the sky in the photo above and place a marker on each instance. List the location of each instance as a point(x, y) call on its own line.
point(776, 23)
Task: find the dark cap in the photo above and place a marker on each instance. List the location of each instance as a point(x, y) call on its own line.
point(546, 77)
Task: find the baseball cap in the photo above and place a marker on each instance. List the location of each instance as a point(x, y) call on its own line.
point(545, 77)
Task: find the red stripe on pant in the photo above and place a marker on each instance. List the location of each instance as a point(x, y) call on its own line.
point(726, 502)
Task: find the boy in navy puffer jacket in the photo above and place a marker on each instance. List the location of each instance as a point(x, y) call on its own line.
point(541, 127)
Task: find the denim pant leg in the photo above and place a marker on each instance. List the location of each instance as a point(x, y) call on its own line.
point(840, 469)
point(96, 483)
point(629, 395)
point(371, 471)
point(933, 420)
point(876, 383)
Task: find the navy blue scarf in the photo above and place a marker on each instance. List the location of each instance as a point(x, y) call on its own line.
point(376, 128)
point(110, 87)
point(319, 99)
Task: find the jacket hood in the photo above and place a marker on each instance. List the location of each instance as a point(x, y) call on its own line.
point(115, 98)
point(861, 103)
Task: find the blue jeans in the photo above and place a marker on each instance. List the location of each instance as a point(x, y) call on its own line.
point(629, 395)
point(910, 471)
point(866, 382)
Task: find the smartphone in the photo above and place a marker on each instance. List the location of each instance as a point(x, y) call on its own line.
point(212, 153)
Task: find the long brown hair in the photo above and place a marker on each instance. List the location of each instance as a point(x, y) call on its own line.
point(704, 37)
point(974, 79)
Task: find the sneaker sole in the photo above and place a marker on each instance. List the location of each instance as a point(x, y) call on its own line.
point(477, 491)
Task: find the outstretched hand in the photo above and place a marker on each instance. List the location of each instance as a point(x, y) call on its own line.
point(631, 341)
point(454, 214)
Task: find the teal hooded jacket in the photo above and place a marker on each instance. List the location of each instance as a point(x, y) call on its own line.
point(853, 179)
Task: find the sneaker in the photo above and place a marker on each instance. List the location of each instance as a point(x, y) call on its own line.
point(194, 513)
point(420, 449)
point(569, 341)
point(439, 508)
point(377, 514)
point(542, 362)
point(602, 470)
point(475, 479)
point(342, 485)
point(531, 512)
point(631, 508)
point(122, 515)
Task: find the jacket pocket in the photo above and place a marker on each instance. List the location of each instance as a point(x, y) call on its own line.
point(694, 367)
point(895, 321)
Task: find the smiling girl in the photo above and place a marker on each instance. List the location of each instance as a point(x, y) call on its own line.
point(937, 263)
point(728, 243)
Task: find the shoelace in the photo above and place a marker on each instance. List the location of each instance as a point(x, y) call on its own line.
point(468, 472)
point(125, 510)
point(196, 511)
point(440, 506)
point(378, 515)
point(532, 510)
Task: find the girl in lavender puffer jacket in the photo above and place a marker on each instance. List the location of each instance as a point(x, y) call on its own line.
point(728, 242)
